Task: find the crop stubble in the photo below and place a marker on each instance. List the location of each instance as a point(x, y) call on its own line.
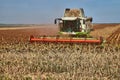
point(20, 59)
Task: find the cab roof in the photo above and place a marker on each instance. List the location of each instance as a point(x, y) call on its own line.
point(69, 18)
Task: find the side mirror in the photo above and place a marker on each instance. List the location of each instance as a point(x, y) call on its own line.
point(55, 22)
point(89, 19)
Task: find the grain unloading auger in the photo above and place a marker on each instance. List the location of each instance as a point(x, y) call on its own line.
point(74, 27)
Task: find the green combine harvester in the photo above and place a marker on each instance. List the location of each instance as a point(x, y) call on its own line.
point(74, 27)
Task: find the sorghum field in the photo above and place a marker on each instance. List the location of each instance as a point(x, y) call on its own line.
point(22, 60)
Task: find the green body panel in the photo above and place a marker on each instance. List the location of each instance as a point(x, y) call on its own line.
point(77, 34)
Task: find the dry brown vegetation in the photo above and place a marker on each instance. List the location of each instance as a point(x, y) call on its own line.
point(104, 30)
point(73, 12)
point(21, 60)
point(114, 38)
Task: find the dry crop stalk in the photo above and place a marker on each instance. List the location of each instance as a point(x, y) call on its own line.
point(114, 38)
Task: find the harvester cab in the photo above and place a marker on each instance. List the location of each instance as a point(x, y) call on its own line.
point(74, 22)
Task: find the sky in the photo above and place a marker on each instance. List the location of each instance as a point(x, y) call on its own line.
point(45, 11)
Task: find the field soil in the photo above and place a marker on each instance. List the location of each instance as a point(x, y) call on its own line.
point(22, 34)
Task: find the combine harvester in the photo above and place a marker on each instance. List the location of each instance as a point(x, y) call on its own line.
point(74, 27)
